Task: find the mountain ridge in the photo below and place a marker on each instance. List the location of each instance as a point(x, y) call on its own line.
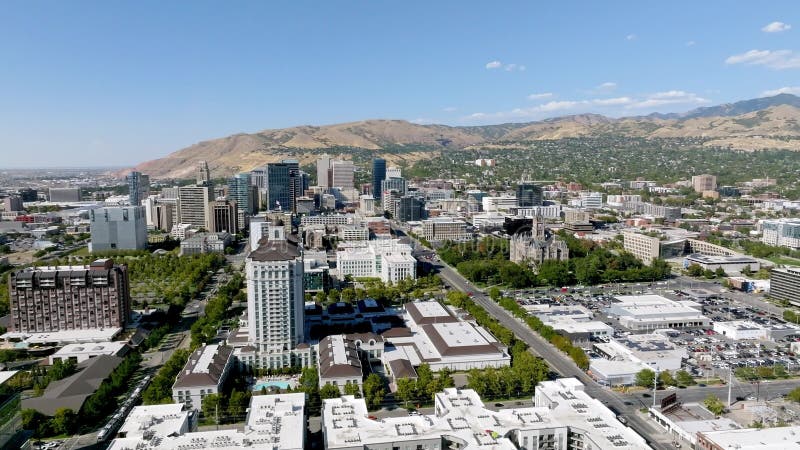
point(746, 125)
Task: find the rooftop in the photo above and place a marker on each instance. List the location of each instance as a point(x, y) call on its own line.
point(779, 438)
point(205, 367)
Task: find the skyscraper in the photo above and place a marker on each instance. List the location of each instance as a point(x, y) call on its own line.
point(138, 187)
point(193, 204)
point(239, 191)
point(342, 172)
point(275, 302)
point(203, 174)
point(323, 170)
point(278, 187)
point(295, 183)
point(529, 195)
point(378, 175)
point(224, 215)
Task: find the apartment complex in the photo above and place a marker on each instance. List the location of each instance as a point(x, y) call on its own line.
point(47, 299)
point(204, 374)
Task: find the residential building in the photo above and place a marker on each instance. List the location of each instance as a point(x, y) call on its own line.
point(781, 232)
point(45, 299)
point(194, 205)
point(342, 173)
point(274, 422)
point(378, 175)
point(120, 228)
point(564, 417)
point(537, 245)
point(204, 374)
point(529, 195)
point(338, 362)
point(84, 351)
point(275, 302)
point(138, 187)
point(704, 182)
point(387, 259)
point(785, 284)
point(445, 229)
point(64, 195)
point(201, 243)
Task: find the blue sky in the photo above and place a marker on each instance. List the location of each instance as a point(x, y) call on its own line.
point(116, 83)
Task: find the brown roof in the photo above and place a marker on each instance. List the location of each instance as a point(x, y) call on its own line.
point(402, 368)
point(396, 332)
point(190, 376)
point(275, 250)
point(329, 368)
point(445, 350)
point(421, 319)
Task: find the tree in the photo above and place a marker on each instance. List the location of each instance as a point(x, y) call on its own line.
point(352, 389)
point(406, 390)
point(714, 404)
point(374, 390)
point(684, 378)
point(237, 404)
point(720, 272)
point(494, 293)
point(695, 270)
point(645, 378)
point(709, 274)
point(794, 395)
point(329, 391)
point(424, 381)
point(64, 421)
point(666, 379)
point(211, 405)
point(747, 271)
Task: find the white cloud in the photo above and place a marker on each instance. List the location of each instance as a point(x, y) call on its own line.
point(690, 43)
point(421, 121)
point(607, 86)
point(784, 90)
point(776, 27)
point(631, 37)
point(616, 101)
point(673, 97)
point(449, 109)
point(540, 96)
point(477, 115)
point(559, 105)
point(774, 59)
point(507, 67)
point(493, 64)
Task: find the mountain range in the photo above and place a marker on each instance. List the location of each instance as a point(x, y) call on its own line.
point(762, 123)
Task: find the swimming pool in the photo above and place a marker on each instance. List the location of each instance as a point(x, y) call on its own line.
point(269, 384)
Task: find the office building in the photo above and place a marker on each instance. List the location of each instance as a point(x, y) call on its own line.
point(46, 299)
point(378, 175)
point(386, 259)
point(295, 183)
point(138, 187)
point(395, 184)
point(119, 228)
point(203, 174)
point(498, 204)
point(258, 177)
point(13, 203)
point(279, 187)
point(409, 208)
point(591, 200)
point(785, 284)
point(64, 195)
point(529, 195)
point(343, 174)
point(201, 243)
point(732, 265)
point(705, 182)
point(275, 302)
point(79, 353)
point(194, 206)
point(781, 232)
point(28, 194)
point(240, 190)
point(204, 374)
point(445, 229)
point(324, 171)
point(224, 216)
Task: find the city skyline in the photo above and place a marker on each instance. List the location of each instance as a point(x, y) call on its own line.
point(127, 83)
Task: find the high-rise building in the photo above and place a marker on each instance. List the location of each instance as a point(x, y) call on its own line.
point(704, 182)
point(275, 301)
point(29, 194)
point(138, 187)
point(225, 216)
point(47, 299)
point(278, 187)
point(203, 174)
point(239, 190)
point(343, 174)
point(785, 284)
point(781, 232)
point(194, 209)
point(13, 203)
point(409, 208)
point(323, 171)
point(529, 195)
point(65, 195)
point(378, 175)
point(395, 184)
point(118, 228)
point(295, 183)
point(394, 172)
point(258, 177)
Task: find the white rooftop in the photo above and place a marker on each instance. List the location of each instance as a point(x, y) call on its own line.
point(431, 309)
point(777, 438)
point(6, 375)
point(66, 336)
point(206, 358)
point(91, 348)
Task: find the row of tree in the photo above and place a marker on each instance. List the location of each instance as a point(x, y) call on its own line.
point(646, 378)
point(420, 391)
point(221, 408)
point(216, 310)
point(518, 380)
point(386, 293)
point(160, 389)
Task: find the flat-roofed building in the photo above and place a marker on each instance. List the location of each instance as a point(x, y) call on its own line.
point(445, 229)
point(119, 228)
point(387, 259)
point(203, 374)
point(732, 265)
point(784, 284)
point(653, 312)
point(742, 330)
point(81, 352)
point(652, 351)
point(776, 438)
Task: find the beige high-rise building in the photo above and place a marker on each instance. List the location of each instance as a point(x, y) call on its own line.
point(342, 172)
point(323, 171)
point(194, 206)
point(203, 174)
point(704, 182)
